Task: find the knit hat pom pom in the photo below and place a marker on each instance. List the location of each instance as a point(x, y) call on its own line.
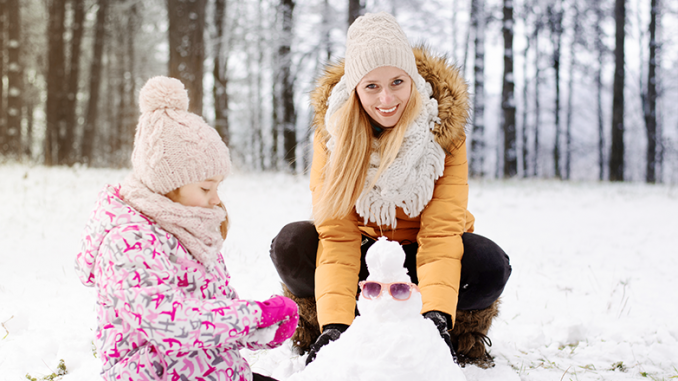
point(163, 93)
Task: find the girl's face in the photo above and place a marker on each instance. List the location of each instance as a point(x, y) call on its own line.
point(203, 193)
point(384, 93)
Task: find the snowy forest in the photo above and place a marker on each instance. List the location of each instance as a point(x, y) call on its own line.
point(567, 89)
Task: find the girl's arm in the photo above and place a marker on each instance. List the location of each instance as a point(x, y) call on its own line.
point(137, 277)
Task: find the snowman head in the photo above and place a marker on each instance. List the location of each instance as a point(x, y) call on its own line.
point(385, 262)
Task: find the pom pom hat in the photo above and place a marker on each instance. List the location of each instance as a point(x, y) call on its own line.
point(375, 40)
point(173, 147)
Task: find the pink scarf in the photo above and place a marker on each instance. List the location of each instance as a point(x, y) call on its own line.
point(197, 228)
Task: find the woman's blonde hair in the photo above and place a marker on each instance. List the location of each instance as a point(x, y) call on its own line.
point(346, 172)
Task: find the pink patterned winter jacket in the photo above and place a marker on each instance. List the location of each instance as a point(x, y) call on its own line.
point(161, 315)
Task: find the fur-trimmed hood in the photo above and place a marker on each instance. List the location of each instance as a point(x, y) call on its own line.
point(449, 89)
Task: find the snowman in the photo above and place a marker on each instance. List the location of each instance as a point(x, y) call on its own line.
point(390, 340)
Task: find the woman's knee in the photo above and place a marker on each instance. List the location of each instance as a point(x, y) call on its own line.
point(485, 269)
point(293, 252)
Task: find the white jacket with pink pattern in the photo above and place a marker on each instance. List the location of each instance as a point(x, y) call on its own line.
point(161, 314)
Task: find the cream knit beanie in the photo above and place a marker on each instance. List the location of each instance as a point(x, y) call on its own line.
point(173, 147)
point(375, 40)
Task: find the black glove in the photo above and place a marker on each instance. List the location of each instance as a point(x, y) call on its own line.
point(331, 332)
point(440, 320)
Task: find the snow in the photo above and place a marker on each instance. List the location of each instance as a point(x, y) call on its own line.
point(592, 295)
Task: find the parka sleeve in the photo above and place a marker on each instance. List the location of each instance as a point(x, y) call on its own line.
point(338, 257)
point(139, 280)
point(443, 222)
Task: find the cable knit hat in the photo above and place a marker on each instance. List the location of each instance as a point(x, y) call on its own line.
point(375, 40)
point(173, 147)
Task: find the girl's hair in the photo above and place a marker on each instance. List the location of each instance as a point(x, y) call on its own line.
point(345, 172)
point(224, 224)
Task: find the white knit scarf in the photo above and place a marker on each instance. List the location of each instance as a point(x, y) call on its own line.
point(197, 228)
point(409, 181)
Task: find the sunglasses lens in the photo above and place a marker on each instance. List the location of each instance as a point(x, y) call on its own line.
point(400, 291)
point(371, 290)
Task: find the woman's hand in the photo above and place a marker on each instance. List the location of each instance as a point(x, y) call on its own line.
point(441, 323)
point(331, 332)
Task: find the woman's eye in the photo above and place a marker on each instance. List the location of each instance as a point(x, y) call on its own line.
point(371, 86)
point(397, 82)
point(205, 190)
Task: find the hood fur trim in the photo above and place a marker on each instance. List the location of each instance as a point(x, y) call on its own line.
point(449, 89)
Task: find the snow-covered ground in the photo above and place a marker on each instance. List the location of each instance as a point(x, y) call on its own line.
point(593, 294)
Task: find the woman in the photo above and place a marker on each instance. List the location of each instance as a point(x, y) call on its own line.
point(390, 160)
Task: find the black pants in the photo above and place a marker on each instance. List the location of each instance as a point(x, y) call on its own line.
point(485, 267)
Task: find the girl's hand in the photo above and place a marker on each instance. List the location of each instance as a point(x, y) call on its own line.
point(279, 310)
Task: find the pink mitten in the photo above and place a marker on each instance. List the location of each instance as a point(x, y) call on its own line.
point(278, 309)
point(285, 331)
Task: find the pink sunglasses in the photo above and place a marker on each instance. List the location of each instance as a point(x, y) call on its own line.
point(399, 290)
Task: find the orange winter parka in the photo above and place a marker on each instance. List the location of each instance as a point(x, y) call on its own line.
point(437, 228)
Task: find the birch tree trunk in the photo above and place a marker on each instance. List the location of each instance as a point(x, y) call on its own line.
point(478, 132)
point(508, 100)
point(187, 47)
point(617, 151)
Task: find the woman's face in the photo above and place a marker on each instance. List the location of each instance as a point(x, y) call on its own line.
point(384, 93)
point(203, 193)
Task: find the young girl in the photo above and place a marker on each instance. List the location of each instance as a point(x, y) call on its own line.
point(165, 308)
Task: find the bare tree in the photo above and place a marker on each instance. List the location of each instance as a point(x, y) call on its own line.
point(326, 28)
point(508, 101)
point(285, 114)
point(524, 129)
point(220, 72)
point(187, 47)
point(15, 83)
point(537, 97)
point(555, 12)
point(650, 101)
point(56, 81)
point(92, 114)
point(478, 131)
point(601, 50)
point(355, 9)
point(617, 151)
point(4, 144)
point(570, 89)
point(67, 135)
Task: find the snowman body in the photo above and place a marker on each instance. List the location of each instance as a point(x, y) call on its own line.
point(390, 340)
